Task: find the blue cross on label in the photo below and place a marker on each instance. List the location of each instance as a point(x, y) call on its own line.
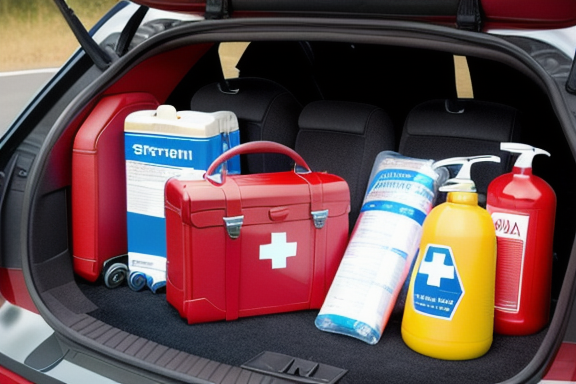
point(278, 250)
point(437, 286)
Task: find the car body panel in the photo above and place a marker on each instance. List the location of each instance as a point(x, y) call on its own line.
point(496, 13)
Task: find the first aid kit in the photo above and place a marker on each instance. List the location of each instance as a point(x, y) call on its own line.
point(160, 144)
point(245, 245)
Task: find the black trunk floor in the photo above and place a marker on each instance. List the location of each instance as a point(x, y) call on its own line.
point(148, 315)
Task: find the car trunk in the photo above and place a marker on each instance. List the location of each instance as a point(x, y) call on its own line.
point(393, 65)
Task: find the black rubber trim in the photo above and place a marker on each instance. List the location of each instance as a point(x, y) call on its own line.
point(130, 30)
point(177, 365)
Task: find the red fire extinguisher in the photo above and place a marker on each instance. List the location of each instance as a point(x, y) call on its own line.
point(523, 208)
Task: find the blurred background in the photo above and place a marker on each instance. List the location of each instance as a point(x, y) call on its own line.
point(35, 40)
point(33, 33)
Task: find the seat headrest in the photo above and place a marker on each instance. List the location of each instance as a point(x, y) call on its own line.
point(465, 119)
point(248, 98)
point(341, 116)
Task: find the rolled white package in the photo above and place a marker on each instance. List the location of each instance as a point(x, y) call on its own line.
point(382, 247)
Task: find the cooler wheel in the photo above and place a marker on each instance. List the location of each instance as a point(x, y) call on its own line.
point(115, 275)
point(136, 281)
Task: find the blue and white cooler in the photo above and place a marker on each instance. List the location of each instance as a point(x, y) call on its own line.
point(160, 144)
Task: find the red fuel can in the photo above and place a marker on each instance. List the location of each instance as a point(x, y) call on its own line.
point(523, 208)
point(99, 189)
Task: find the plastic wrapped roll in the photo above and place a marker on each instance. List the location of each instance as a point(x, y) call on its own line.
point(382, 247)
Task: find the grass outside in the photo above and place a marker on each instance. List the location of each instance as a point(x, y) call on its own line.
point(33, 33)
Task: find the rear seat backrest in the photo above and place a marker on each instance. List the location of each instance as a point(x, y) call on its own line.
point(440, 129)
point(344, 138)
point(265, 111)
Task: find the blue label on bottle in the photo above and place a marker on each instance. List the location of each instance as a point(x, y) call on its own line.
point(437, 286)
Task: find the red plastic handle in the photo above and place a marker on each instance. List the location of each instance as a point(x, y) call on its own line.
point(261, 146)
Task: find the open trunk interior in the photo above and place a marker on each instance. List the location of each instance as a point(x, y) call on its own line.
point(393, 70)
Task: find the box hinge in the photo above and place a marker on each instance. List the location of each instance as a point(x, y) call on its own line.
point(319, 218)
point(294, 369)
point(233, 226)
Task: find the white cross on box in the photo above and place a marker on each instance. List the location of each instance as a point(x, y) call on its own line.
point(278, 250)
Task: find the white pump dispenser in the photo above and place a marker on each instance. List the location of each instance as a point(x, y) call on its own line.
point(527, 153)
point(462, 182)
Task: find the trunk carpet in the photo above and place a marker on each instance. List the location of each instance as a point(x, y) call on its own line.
point(148, 315)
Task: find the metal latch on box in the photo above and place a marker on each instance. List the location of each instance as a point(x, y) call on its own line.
point(319, 218)
point(233, 225)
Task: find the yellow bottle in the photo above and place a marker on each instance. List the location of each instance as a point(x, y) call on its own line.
point(449, 311)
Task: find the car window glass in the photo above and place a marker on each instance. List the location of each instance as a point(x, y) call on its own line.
point(463, 81)
point(230, 53)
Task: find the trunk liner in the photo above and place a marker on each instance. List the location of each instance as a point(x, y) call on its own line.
point(149, 316)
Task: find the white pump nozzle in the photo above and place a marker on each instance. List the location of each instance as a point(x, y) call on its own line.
point(527, 153)
point(462, 182)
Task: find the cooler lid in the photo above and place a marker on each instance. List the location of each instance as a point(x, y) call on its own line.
point(522, 14)
point(165, 120)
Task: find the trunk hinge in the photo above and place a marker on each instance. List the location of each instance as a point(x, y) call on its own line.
point(92, 49)
point(217, 9)
point(130, 30)
point(469, 15)
point(571, 82)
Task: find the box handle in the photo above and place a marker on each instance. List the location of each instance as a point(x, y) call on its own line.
point(261, 146)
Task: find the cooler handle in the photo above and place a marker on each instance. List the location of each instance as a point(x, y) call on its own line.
point(261, 146)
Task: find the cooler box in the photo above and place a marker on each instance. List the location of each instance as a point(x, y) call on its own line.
point(160, 144)
point(99, 189)
point(244, 245)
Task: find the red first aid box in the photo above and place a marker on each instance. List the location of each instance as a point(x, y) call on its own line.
point(249, 245)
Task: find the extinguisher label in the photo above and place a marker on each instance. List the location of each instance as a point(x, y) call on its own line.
point(438, 288)
point(511, 230)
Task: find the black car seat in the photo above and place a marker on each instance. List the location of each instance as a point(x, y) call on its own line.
point(288, 63)
point(265, 111)
point(344, 138)
point(439, 129)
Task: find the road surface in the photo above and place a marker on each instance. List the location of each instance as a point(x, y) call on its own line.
point(16, 90)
